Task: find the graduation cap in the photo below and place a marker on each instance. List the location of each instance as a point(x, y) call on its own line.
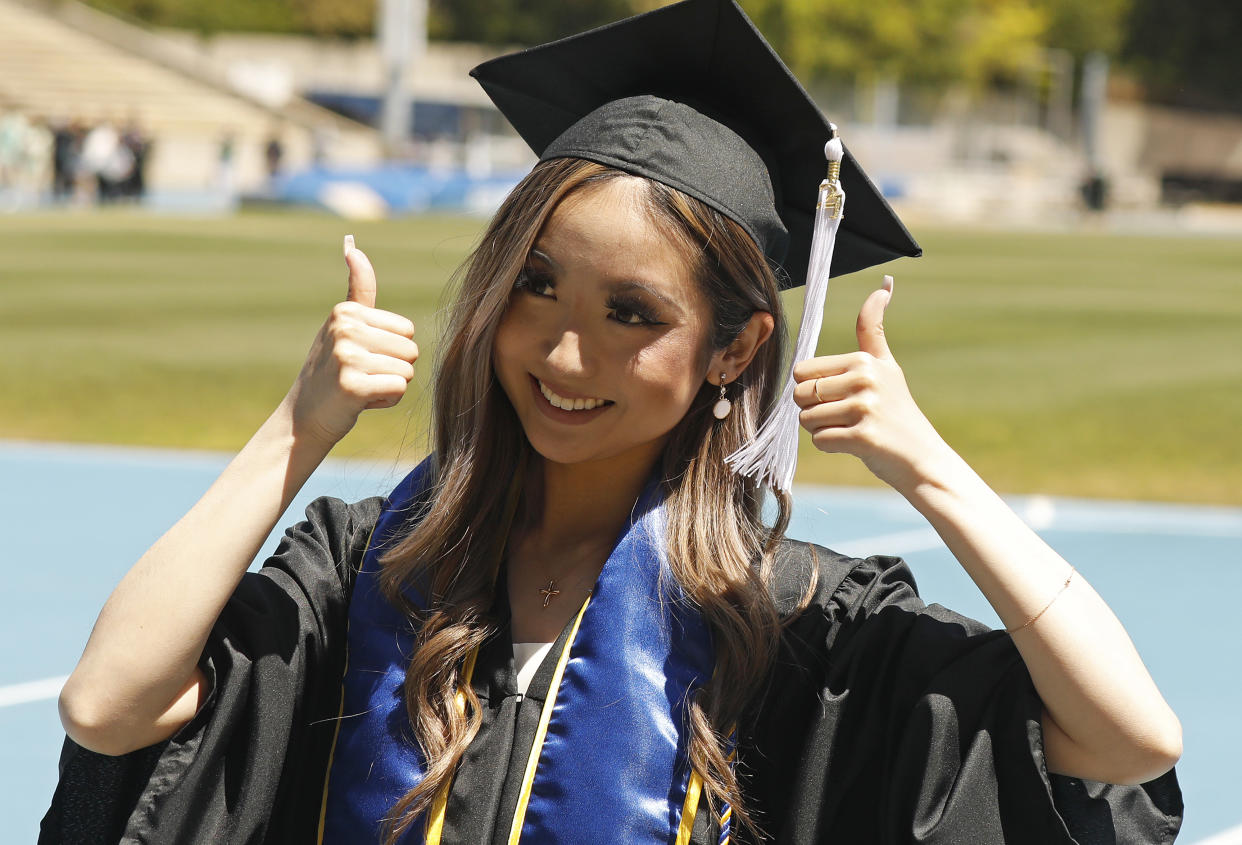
point(692, 96)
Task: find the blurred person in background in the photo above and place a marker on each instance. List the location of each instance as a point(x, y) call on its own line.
point(13, 126)
point(322, 138)
point(273, 154)
point(134, 139)
point(25, 159)
point(226, 154)
point(105, 160)
point(66, 149)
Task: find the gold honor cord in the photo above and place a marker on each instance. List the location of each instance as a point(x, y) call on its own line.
point(340, 717)
point(690, 809)
point(340, 714)
point(726, 817)
point(545, 716)
point(435, 824)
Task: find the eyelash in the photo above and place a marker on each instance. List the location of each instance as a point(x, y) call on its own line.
point(534, 283)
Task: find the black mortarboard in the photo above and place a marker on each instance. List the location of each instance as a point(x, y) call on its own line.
point(692, 96)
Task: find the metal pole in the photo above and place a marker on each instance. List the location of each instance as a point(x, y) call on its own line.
point(395, 24)
point(1094, 84)
point(1094, 95)
point(418, 46)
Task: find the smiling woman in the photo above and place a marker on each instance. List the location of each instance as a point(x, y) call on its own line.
point(703, 678)
point(610, 315)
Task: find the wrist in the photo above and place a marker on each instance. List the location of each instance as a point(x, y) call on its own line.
point(299, 451)
point(939, 474)
point(931, 465)
point(303, 439)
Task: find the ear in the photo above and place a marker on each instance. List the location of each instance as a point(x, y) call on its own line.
point(736, 357)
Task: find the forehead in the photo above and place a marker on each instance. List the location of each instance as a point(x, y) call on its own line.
point(607, 229)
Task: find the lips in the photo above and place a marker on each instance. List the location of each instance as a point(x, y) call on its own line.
point(563, 410)
point(570, 403)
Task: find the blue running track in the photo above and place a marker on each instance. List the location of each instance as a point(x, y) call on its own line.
point(75, 518)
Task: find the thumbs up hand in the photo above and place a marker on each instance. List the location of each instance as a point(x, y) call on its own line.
point(859, 403)
point(362, 358)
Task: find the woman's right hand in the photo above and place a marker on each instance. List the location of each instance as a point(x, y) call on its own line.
point(362, 358)
point(138, 680)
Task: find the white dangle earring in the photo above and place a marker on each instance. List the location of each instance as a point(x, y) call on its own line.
point(723, 406)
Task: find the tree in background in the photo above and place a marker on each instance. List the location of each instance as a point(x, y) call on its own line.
point(1085, 27)
point(485, 21)
point(519, 21)
point(336, 18)
point(1184, 52)
point(1187, 53)
point(931, 41)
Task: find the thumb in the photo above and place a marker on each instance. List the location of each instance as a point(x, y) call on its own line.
point(870, 326)
point(361, 275)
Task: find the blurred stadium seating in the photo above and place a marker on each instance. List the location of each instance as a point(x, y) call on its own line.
point(72, 63)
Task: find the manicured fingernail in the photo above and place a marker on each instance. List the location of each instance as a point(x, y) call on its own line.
point(349, 244)
point(888, 283)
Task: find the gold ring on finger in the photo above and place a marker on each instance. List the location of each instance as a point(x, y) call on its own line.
point(816, 391)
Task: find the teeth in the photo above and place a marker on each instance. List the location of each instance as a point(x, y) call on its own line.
point(569, 404)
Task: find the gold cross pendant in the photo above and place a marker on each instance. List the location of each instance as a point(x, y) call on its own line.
point(549, 592)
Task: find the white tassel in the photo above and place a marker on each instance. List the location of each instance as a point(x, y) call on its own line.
point(773, 455)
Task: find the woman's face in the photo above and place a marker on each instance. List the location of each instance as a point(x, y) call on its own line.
point(603, 345)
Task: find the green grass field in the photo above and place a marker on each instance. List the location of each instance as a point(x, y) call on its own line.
point(1074, 364)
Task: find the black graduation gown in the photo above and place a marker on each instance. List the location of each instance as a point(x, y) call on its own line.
point(885, 721)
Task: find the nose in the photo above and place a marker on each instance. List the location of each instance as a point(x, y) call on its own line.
point(567, 354)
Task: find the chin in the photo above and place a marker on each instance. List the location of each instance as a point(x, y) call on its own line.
point(595, 452)
point(559, 452)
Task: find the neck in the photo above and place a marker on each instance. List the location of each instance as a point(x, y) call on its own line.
point(585, 506)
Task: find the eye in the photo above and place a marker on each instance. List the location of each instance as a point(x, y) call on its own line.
point(632, 313)
point(534, 282)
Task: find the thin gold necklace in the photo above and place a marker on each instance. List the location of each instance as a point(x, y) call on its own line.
point(551, 591)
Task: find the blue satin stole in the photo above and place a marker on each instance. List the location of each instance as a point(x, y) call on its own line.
point(612, 764)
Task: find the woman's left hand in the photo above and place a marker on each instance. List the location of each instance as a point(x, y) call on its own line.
point(859, 403)
point(1104, 719)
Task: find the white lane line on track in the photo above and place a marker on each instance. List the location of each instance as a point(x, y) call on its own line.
point(1232, 836)
point(32, 691)
point(896, 543)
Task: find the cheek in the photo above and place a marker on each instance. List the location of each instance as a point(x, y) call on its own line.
point(523, 325)
point(670, 372)
point(504, 348)
point(513, 329)
point(499, 344)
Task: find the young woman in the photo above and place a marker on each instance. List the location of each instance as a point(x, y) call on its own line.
point(695, 675)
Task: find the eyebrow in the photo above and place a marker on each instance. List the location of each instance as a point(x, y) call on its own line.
point(616, 287)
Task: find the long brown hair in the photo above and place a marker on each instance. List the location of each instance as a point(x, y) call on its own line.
point(719, 550)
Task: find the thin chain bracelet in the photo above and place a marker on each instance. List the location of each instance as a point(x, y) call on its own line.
point(1048, 605)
